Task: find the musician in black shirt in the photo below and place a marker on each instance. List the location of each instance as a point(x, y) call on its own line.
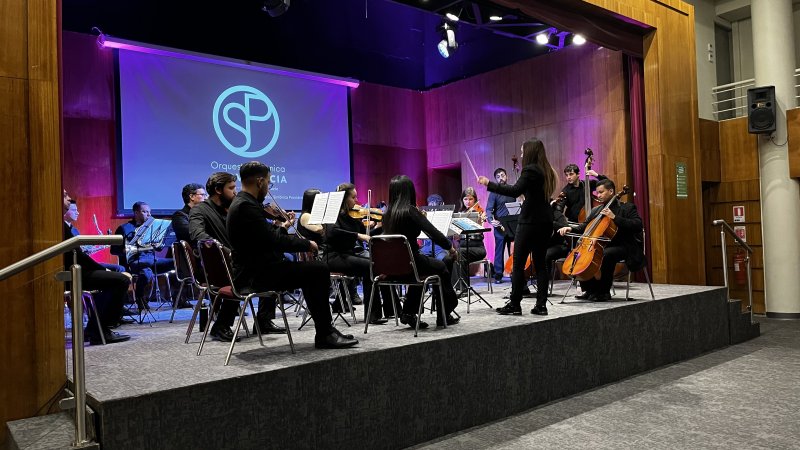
point(402, 217)
point(537, 182)
point(576, 196)
point(192, 194)
point(258, 261)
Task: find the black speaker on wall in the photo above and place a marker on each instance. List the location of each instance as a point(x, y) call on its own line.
point(761, 110)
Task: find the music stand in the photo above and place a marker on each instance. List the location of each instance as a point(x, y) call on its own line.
point(467, 227)
point(157, 231)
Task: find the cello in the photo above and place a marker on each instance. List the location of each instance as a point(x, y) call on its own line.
point(584, 261)
point(589, 200)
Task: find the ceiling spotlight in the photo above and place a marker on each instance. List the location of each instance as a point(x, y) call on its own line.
point(448, 44)
point(577, 39)
point(495, 18)
point(275, 7)
point(451, 17)
point(543, 38)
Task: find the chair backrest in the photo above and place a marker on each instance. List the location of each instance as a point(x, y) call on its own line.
point(186, 263)
point(215, 265)
point(391, 258)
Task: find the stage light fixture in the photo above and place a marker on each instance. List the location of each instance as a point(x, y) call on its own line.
point(543, 38)
point(451, 17)
point(577, 39)
point(275, 7)
point(448, 44)
point(495, 18)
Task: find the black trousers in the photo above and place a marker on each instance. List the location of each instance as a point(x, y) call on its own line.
point(431, 266)
point(611, 256)
point(358, 266)
point(313, 277)
point(500, 244)
point(530, 239)
point(113, 287)
point(143, 268)
point(553, 253)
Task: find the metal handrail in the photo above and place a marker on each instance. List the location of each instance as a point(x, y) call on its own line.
point(62, 247)
point(724, 227)
point(78, 401)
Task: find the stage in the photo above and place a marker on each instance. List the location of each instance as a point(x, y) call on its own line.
point(393, 390)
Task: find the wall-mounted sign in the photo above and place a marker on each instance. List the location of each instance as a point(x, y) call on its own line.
point(738, 214)
point(682, 188)
point(741, 231)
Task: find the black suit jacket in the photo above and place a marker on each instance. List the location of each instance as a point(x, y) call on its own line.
point(536, 208)
point(180, 223)
point(629, 232)
point(86, 262)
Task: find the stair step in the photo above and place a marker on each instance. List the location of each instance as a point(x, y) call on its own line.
point(740, 327)
point(50, 432)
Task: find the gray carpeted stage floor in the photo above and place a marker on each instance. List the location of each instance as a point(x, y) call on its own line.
point(157, 359)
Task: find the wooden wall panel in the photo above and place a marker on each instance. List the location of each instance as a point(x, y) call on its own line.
point(382, 115)
point(709, 150)
point(32, 344)
point(738, 151)
point(793, 119)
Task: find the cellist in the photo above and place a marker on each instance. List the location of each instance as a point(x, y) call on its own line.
point(575, 190)
point(626, 245)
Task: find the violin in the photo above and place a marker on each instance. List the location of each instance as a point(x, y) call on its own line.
point(275, 212)
point(584, 261)
point(365, 214)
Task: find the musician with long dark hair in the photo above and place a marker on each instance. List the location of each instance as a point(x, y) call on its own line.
point(403, 217)
point(537, 181)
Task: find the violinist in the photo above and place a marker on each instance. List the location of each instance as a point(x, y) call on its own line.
point(344, 250)
point(496, 207)
point(575, 190)
point(402, 217)
point(258, 261)
point(470, 246)
point(537, 182)
point(626, 245)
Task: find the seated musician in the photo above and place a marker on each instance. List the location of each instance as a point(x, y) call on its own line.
point(558, 246)
point(258, 262)
point(113, 287)
point(402, 217)
point(574, 190)
point(192, 194)
point(311, 232)
point(70, 217)
point(344, 251)
point(428, 247)
point(140, 260)
point(470, 246)
point(626, 245)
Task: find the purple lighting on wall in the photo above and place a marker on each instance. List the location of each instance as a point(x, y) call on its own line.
point(122, 44)
point(501, 109)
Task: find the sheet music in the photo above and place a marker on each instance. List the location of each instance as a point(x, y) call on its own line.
point(326, 208)
point(318, 209)
point(514, 208)
point(334, 206)
point(440, 220)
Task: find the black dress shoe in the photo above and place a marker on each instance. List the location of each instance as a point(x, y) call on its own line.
point(111, 338)
point(346, 336)
point(269, 327)
point(510, 310)
point(224, 334)
point(450, 320)
point(411, 321)
point(356, 299)
point(334, 340)
point(584, 296)
point(600, 297)
point(539, 310)
point(378, 321)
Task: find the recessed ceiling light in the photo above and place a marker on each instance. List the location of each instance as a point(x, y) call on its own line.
point(451, 16)
point(495, 18)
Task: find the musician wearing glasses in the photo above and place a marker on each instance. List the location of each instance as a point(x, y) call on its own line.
point(193, 194)
point(258, 255)
point(138, 253)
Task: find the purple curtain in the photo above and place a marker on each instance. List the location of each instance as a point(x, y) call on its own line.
point(639, 146)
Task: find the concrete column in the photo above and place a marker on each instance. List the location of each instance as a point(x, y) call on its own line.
point(774, 61)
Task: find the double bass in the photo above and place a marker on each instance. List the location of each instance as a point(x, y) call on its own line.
point(584, 261)
point(589, 201)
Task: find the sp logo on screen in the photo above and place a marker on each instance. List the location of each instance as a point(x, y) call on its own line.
point(246, 121)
